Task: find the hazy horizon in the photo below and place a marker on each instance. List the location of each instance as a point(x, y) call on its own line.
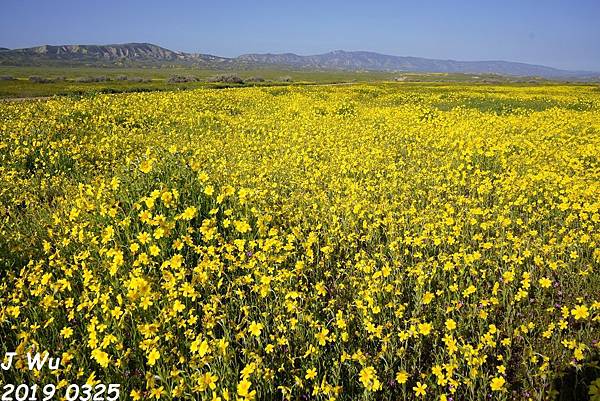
point(559, 34)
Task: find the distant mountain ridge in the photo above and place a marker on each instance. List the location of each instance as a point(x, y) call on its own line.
point(127, 54)
point(362, 60)
point(128, 50)
point(150, 54)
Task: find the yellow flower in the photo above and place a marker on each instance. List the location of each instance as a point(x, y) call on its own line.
point(178, 306)
point(401, 377)
point(153, 356)
point(580, 312)
point(545, 282)
point(66, 332)
point(594, 390)
point(159, 233)
point(428, 297)
point(242, 226)
point(209, 190)
point(154, 250)
point(508, 276)
point(146, 166)
point(498, 383)
point(469, 290)
point(243, 387)
point(135, 395)
point(189, 213)
point(392, 216)
point(368, 377)
point(450, 324)
point(200, 346)
point(101, 357)
point(209, 380)
point(419, 389)
point(157, 392)
point(322, 336)
point(255, 328)
point(425, 328)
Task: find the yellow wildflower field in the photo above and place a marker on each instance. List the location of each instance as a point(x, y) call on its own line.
point(380, 241)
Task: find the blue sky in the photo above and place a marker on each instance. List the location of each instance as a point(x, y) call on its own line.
point(558, 33)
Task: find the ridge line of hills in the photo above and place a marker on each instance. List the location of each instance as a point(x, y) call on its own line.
point(147, 54)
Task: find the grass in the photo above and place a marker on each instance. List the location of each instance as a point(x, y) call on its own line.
point(21, 87)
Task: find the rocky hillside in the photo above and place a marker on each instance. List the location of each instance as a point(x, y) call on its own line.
point(128, 53)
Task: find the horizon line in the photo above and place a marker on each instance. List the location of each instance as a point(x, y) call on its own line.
point(309, 55)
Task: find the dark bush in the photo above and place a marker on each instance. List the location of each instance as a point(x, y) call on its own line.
point(255, 79)
point(101, 78)
point(84, 79)
point(226, 78)
point(39, 80)
point(286, 79)
point(121, 78)
point(6, 78)
point(176, 79)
